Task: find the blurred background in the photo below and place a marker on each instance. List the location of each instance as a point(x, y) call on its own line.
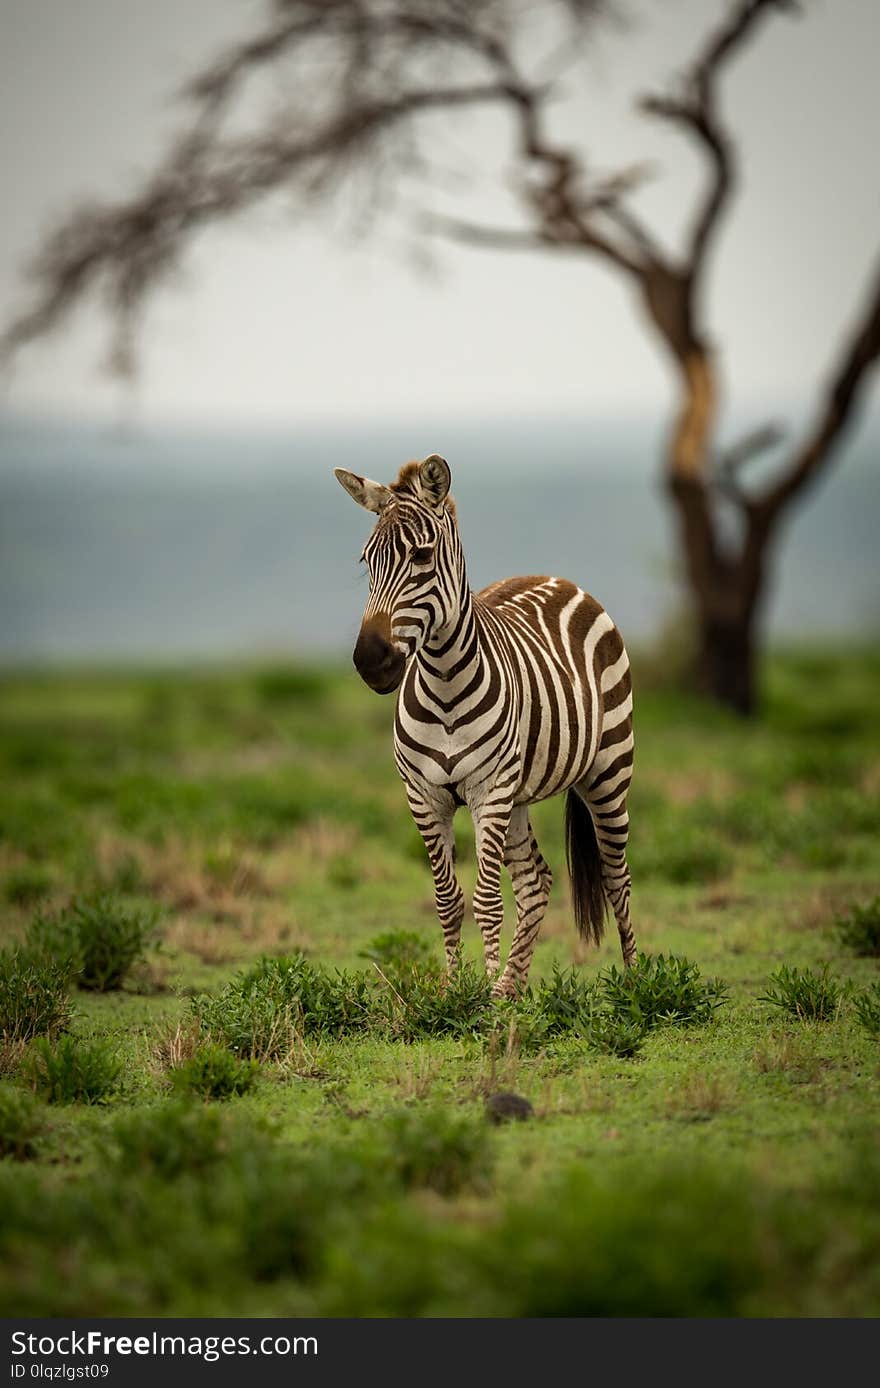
point(245, 242)
point(191, 512)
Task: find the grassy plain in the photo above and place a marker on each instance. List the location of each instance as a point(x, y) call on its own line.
point(730, 1168)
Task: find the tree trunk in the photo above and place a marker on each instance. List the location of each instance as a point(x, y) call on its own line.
point(725, 660)
point(724, 584)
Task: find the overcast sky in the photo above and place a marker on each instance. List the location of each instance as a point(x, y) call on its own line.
point(275, 321)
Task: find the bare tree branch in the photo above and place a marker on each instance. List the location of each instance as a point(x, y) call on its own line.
point(696, 110)
point(475, 234)
point(839, 410)
point(515, 239)
point(131, 246)
point(755, 442)
point(388, 65)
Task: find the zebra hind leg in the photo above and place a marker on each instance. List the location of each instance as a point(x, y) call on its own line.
point(531, 878)
point(611, 822)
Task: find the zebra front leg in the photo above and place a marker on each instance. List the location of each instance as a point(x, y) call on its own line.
point(531, 878)
point(434, 822)
point(491, 821)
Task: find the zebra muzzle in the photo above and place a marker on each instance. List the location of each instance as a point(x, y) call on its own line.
point(379, 664)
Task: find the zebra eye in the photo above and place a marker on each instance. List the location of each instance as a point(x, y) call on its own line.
point(423, 555)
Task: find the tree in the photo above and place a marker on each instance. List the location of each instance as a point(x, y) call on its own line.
point(364, 77)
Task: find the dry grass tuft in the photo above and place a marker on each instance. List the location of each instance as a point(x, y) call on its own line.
point(417, 1076)
point(499, 1068)
point(790, 1055)
point(700, 1097)
point(11, 1054)
point(173, 1046)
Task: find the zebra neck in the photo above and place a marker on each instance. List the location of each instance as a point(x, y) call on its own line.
point(455, 655)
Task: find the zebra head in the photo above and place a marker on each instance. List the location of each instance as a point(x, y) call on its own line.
point(413, 559)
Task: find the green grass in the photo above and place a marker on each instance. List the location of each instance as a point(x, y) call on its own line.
point(694, 1149)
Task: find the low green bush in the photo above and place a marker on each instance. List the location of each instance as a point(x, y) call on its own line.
point(172, 1138)
point(394, 949)
point(290, 685)
point(197, 1213)
point(859, 931)
point(661, 988)
point(34, 995)
point(27, 883)
point(255, 1014)
point(441, 1149)
point(214, 1073)
point(101, 937)
point(866, 1006)
point(680, 851)
point(562, 1000)
point(21, 1123)
point(804, 994)
point(613, 1034)
point(72, 1070)
point(566, 1005)
point(421, 1001)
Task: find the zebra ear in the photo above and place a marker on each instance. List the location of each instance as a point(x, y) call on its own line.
point(371, 495)
point(434, 480)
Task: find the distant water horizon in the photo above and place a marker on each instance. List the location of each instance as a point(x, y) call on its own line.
point(160, 546)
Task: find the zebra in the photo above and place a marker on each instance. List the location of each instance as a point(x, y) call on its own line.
point(505, 697)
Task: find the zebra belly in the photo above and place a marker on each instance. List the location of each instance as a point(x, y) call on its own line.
point(560, 639)
point(546, 776)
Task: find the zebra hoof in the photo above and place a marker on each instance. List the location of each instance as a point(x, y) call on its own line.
point(506, 988)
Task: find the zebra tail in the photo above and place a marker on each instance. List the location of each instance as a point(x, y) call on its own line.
point(584, 869)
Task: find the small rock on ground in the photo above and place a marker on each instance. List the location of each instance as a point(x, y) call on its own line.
point(505, 1106)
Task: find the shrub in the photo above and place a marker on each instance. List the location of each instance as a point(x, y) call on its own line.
point(100, 936)
point(256, 1012)
point(567, 1005)
point(215, 1073)
point(422, 1001)
point(805, 994)
point(34, 997)
point(562, 1000)
point(395, 949)
point(21, 1122)
point(578, 1249)
point(860, 930)
point(72, 1070)
point(127, 875)
point(289, 685)
point(168, 1140)
point(681, 853)
point(614, 1257)
point(613, 1034)
point(661, 989)
point(866, 1006)
point(436, 1148)
point(26, 884)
